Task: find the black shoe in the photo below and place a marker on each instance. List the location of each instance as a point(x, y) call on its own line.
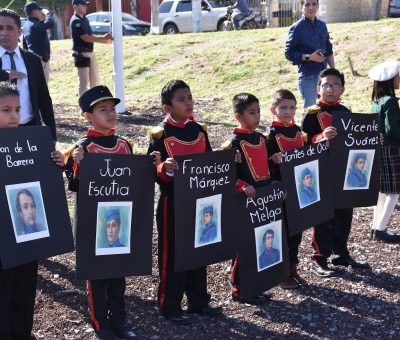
point(385, 236)
point(321, 270)
point(348, 261)
point(253, 300)
point(106, 334)
point(206, 310)
point(179, 319)
point(123, 333)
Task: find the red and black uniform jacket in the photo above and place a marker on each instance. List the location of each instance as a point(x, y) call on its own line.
point(283, 137)
point(172, 139)
point(95, 142)
point(319, 117)
point(253, 170)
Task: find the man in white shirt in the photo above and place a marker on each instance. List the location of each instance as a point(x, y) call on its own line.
point(24, 68)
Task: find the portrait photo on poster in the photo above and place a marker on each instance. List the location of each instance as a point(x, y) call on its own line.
point(25, 203)
point(358, 170)
point(268, 245)
point(307, 183)
point(113, 228)
point(208, 221)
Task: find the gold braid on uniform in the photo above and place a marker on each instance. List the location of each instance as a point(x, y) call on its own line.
point(156, 132)
point(227, 145)
point(304, 136)
point(315, 109)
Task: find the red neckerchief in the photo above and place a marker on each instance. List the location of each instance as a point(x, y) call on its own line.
point(322, 103)
point(170, 121)
point(276, 123)
point(96, 133)
point(245, 131)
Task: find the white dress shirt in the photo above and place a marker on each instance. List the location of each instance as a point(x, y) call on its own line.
point(22, 84)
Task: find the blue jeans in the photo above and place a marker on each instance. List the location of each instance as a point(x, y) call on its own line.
point(236, 17)
point(308, 89)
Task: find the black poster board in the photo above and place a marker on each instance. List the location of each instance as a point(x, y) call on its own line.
point(115, 188)
point(355, 160)
point(205, 221)
point(39, 227)
point(306, 176)
point(261, 224)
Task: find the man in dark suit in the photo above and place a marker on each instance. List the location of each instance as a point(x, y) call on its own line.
point(25, 68)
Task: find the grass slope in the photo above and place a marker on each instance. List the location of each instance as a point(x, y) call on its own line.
point(220, 64)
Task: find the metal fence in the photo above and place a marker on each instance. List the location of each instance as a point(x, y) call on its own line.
point(282, 13)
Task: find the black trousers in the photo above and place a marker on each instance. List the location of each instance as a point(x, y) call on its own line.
point(173, 285)
point(107, 302)
point(293, 244)
point(330, 238)
point(17, 301)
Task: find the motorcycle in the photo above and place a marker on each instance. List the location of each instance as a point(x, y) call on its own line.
point(248, 22)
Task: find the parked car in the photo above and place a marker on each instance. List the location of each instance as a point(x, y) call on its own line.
point(100, 22)
point(394, 8)
point(176, 15)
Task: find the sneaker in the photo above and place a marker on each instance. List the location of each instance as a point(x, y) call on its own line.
point(348, 261)
point(321, 270)
point(253, 300)
point(289, 283)
point(386, 235)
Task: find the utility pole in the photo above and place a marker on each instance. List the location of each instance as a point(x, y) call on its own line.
point(196, 16)
point(118, 75)
point(154, 17)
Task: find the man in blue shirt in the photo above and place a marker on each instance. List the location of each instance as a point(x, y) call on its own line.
point(35, 29)
point(309, 48)
point(240, 11)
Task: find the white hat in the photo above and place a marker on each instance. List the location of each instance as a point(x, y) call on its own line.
point(385, 71)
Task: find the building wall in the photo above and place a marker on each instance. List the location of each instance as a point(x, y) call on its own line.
point(349, 10)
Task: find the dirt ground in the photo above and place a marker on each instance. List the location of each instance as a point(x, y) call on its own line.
point(349, 305)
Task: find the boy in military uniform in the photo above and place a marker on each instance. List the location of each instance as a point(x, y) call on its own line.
point(177, 135)
point(106, 296)
point(284, 136)
point(329, 238)
point(252, 172)
point(17, 284)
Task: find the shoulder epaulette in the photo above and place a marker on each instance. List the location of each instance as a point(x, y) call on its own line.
point(203, 126)
point(156, 132)
point(313, 109)
point(227, 145)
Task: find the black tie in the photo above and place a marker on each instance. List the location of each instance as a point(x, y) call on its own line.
point(13, 67)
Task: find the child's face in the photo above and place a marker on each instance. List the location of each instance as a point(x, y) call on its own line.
point(250, 118)
point(9, 111)
point(307, 181)
point(181, 107)
point(331, 89)
point(207, 217)
point(104, 117)
point(285, 111)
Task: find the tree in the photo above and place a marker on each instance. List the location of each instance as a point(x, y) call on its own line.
point(56, 6)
